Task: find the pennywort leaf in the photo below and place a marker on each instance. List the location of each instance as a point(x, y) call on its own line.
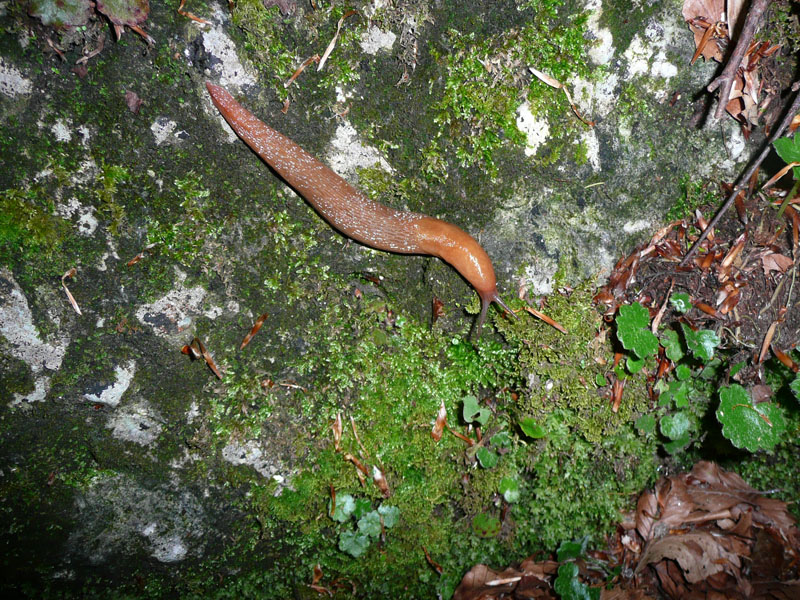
point(748, 425)
point(633, 322)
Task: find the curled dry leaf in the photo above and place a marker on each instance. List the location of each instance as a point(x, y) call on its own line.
point(436, 310)
point(332, 43)
point(699, 555)
point(555, 83)
point(196, 350)
point(546, 319)
point(434, 565)
point(134, 103)
point(772, 261)
point(296, 74)
point(188, 15)
point(70, 273)
point(336, 426)
point(380, 480)
point(259, 322)
point(441, 421)
point(358, 464)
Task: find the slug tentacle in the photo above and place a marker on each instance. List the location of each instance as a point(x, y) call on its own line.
point(352, 213)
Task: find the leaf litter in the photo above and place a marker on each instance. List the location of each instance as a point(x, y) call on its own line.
point(705, 534)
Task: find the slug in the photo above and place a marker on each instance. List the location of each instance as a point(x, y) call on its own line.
point(356, 216)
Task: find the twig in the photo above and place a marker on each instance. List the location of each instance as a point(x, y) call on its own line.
point(742, 181)
point(725, 80)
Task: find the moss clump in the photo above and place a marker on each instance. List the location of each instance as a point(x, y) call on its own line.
point(487, 79)
point(28, 229)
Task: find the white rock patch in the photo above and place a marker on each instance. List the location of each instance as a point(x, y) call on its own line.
point(350, 154)
point(112, 395)
point(536, 130)
point(376, 40)
point(12, 82)
point(16, 326)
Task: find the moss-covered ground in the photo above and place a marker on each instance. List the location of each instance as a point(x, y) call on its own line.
point(349, 331)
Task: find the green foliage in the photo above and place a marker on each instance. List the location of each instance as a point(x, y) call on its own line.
point(487, 458)
point(28, 229)
point(633, 330)
point(483, 88)
point(486, 526)
point(473, 413)
point(749, 425)
point(368, 523)
point(62, 13)
point(510, 489)
point(531, 428)
point(680, 302)
point(695, 194)
point(569, 550)
point(569, 587)
point(795, 387)
point(789, 151)
point(701, 343)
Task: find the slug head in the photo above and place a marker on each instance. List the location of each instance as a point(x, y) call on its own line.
point(486, 299)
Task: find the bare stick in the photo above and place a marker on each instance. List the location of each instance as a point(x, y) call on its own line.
point(745, 178)
point(725, 80)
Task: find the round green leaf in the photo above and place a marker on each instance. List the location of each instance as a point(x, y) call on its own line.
point(510, 489)
point(355, 544)
point(125, 12)
point(675, 426)
point(61, 13)
point(633, 322)
point(672, 345)
point(485, 525)
point(680, 302)
point(646, 423)
point(345, 505)
point(795, 387)
point(531, 428)
point(390, 514)
point(370, 524)
point(487, 458)
point(472, 412)
point(747, 425)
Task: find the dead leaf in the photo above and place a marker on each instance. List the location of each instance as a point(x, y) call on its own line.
point(772, 261)
point(698, 554)
point(70, 273)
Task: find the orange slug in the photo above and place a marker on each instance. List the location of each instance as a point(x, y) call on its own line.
point(356, 216)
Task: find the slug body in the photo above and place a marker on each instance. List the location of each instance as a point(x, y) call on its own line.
point(352, 213)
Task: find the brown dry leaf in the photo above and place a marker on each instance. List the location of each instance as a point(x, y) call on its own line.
point(622, 594)
point(475, 584)
point(70, 273)
point(699, 554)
point(772, 261)
point(708, 12)
point(441, 421)
point(380, 480)
point(337, 432)
point(259, 322)
point(332, 43)
point(646, 510)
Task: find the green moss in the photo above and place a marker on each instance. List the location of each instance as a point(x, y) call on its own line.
point(28, 229)
point(695, 194)
point(486, 82)
point(110, 179)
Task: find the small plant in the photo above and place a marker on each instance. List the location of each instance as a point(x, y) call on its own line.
point(369, 523)
point(749, 425)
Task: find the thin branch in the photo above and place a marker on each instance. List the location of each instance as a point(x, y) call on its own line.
point(745, 178)
point(725, 79)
